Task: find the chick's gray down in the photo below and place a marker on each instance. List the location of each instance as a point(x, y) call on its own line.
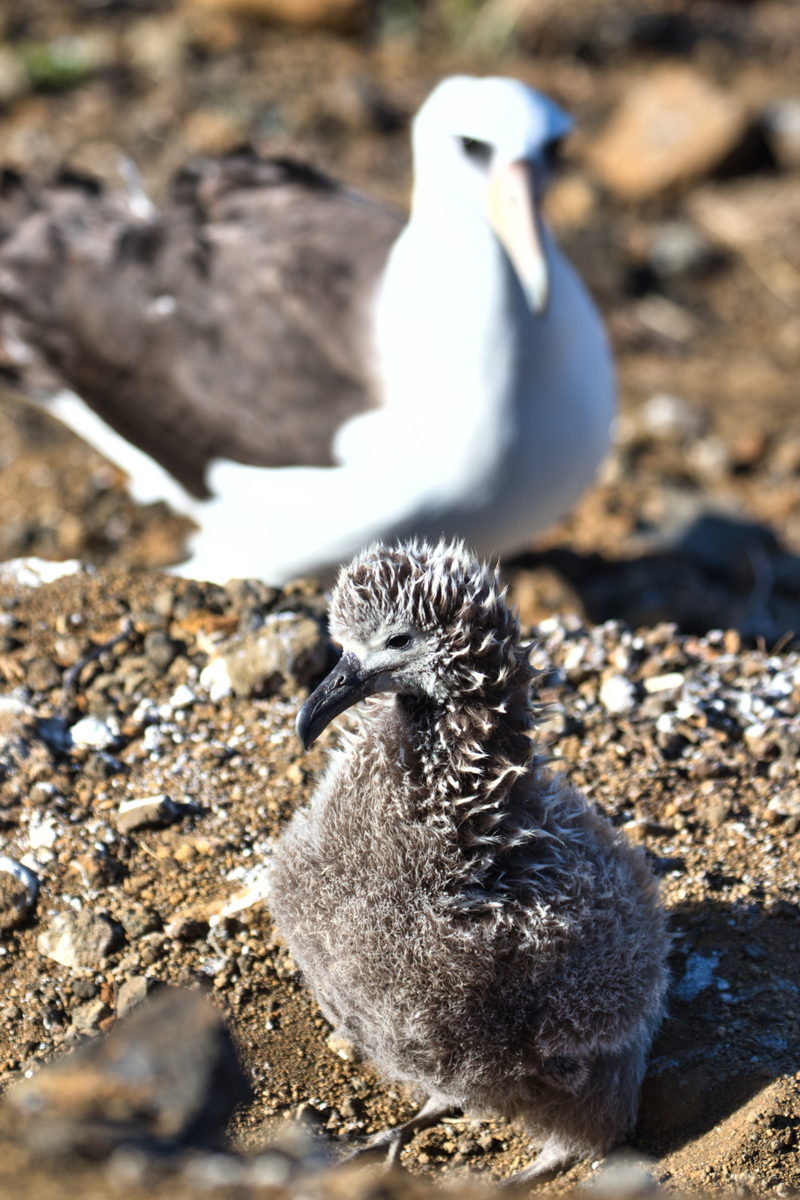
point(460, 913)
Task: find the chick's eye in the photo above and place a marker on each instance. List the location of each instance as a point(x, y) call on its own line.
point(480, 152)
point(398, 642)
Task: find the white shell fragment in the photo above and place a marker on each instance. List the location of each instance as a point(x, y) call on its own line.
point(617, 694)
point(663, 683)
point(216, 680)
point(42, 832)
point(33, 572)
point(182, 697)
point(95, 733)
point(256, 892)
point(342, 1048)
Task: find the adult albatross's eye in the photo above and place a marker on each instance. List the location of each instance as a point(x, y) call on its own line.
point(552, 153)
point(480, 152)
point(398, 642)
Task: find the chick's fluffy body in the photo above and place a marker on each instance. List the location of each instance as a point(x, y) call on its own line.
point(458, 910)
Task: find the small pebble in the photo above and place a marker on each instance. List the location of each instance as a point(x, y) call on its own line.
point(341, 1047)
point(87, 1017)
point(134, 990)
point(147, 811)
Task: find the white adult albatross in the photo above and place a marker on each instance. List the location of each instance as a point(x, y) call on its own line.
point(488, 386)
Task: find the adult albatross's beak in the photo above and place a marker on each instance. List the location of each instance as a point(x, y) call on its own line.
point(511, 210)
point(347, 683)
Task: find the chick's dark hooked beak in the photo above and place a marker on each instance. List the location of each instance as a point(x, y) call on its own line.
point(347, 683)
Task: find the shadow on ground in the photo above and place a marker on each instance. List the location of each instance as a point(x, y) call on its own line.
point(729, 1029)
point(721, 573)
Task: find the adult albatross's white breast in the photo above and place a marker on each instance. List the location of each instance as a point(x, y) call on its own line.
point(466, 388)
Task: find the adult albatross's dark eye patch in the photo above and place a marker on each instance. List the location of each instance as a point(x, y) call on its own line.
point(552, 153)
point(480, 152)
point(398, 642)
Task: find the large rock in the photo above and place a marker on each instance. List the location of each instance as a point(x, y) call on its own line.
point(148, 812)
point(339, 14)
point(166, 1075)
point(77, 939)
point(672, 127)
point(757, 218)
point(87, 1017)
point(288, 648)
point(133, 992)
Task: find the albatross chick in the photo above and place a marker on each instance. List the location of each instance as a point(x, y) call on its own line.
point(460, 913)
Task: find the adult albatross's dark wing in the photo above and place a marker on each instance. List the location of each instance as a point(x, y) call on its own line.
point(232, 323)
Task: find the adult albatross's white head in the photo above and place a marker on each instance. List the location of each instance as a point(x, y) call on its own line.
point(483, 143)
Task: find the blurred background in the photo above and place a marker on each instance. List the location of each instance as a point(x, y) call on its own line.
point(677, 197)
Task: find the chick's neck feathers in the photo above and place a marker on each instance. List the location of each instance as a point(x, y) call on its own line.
point(470, 735)
point(474, 746)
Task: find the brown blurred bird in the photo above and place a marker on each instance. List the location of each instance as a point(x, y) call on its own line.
point(213, 326)
point(313, 371)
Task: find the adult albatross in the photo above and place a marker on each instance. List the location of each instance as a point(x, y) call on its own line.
point(316, 380)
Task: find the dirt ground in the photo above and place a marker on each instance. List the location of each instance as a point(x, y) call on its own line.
point(713, 798)
point(695, 521)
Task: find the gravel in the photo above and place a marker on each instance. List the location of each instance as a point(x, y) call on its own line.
point(688, 743)
point(687, 739)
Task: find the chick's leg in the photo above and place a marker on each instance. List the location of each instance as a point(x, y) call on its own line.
point(398, 1136)
point(555, 1155)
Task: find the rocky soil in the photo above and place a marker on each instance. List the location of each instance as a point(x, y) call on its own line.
point(143, 786)
point(147, 756)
